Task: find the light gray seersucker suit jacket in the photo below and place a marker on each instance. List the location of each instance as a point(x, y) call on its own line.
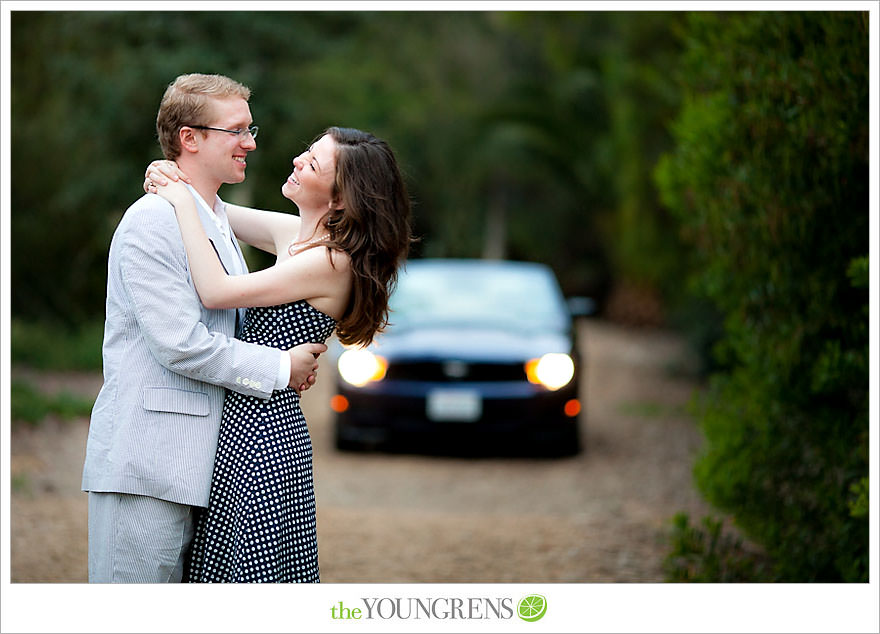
point(167, 360)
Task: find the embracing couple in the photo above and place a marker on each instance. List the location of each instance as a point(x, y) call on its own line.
point(199, 462)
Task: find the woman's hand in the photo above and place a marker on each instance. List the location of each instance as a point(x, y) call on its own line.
point(174, 192)
point(160, 172)
point(166, 179)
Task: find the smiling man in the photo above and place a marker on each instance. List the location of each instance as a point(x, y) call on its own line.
point(168, 359)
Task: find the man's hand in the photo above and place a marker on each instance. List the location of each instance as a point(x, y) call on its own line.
point(304, 365)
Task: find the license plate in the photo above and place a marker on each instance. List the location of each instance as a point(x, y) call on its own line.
point(463, 406)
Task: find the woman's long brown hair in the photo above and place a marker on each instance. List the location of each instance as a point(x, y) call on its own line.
point(372, 227)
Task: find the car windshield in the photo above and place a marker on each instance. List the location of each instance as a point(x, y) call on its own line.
point(480, 293)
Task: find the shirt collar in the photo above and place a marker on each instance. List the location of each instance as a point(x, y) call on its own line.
point(217, 212)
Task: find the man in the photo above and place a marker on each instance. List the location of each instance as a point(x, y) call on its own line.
point(167, 359)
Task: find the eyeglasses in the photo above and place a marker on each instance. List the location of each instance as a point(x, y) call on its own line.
point(252, 130)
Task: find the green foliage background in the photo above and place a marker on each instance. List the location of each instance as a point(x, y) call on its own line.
point(717, 162)
point(769, 180)
point(495, 111)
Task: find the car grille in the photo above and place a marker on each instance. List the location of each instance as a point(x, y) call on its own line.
point(455, 371)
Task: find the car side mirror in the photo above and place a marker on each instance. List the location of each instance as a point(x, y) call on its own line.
point(581, 306)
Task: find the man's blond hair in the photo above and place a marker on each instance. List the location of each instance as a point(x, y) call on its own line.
point(187, 101)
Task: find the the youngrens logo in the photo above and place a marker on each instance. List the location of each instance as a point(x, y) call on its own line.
point(530, 608)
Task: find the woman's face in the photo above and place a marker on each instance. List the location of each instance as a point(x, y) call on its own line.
point(310, 185)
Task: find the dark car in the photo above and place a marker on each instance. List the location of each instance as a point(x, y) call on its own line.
point(480, 357)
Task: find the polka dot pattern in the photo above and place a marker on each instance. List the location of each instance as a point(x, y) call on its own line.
point(260, 523)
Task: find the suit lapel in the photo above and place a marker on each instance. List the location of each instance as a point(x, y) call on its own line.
point(242, 267)
point(243, 263)
point(228, 252)
point(219, 257)
point(225, 252)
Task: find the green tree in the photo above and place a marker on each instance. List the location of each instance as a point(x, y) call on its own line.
point(85, 90)
point(769, 179)
point(489, 112)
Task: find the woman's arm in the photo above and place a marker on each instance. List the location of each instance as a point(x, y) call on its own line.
point(308, 275)
point(269, 231)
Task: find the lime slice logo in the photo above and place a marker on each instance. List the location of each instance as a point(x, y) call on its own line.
point(532, 608)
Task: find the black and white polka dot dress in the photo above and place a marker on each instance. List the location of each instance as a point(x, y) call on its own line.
point(260, 522)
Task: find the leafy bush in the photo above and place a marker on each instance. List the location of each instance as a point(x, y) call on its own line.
point(769, 180)
point(710, 555)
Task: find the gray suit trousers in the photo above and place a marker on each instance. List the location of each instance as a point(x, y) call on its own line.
point(138, 539)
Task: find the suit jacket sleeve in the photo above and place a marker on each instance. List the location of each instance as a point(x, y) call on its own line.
point(171, 317)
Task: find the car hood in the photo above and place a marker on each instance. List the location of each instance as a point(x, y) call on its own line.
point(469, 344)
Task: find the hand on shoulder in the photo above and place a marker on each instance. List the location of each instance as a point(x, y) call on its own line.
point(166, 179)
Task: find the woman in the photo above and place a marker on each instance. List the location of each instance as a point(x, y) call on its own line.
point(353, 204)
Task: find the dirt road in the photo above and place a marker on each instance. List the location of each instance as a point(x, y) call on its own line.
point(601, 516)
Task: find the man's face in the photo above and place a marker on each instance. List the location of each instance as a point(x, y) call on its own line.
point(224, 155)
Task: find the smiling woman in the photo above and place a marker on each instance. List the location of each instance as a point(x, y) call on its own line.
point(313, 178)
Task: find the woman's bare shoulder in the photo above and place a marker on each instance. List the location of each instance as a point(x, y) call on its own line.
point(340, 260)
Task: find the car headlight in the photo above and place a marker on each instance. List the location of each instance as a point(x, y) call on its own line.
point(554, 370)
point(359, 366)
